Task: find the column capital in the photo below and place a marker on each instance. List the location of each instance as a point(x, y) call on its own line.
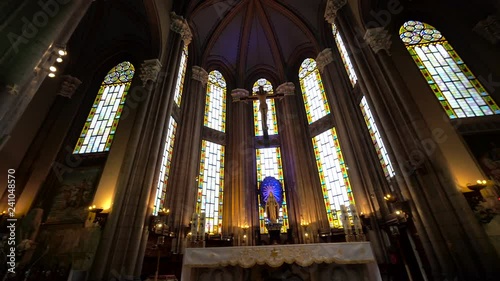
point(324, 58)
point(489, 29)
point(287, 88)
point(68, 87)
point(180, 25)
point(237, 94)
point(200, 74)
point(379, 39)
point(332, 7)
point(150, 70)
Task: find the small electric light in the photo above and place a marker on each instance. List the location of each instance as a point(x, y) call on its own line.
point(59, 60)
point(61, 52)
point(52, 75)
point(53, 68)
point(398, 212)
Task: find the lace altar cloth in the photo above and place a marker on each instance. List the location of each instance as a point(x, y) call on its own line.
point(276, 255)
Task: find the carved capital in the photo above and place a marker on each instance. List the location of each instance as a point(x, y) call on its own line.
point(180, 25)
point(324, 58)
point(379, 39)
point(150, 70)
point(200, 74)
point(287, 88)
point(489, 29)
point(332, 7)
point(69, 85)
point(237, 94)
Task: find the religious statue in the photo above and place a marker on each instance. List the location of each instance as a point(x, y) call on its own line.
point(285, 89)
point(272, 208)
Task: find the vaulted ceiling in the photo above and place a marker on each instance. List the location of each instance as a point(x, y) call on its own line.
point(249, 35)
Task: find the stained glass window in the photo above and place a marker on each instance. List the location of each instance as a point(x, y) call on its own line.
point(215, 106)
point(99, 129)
point(179, 86)
point(312, 89)
point(211, 186)
point(457, 89)
point(345, 56)
point(377, 139)
point(269, 165)
point(165, 166)
point(333, 175)
point(272, 123)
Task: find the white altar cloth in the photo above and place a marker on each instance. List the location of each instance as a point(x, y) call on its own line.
point(276, 255)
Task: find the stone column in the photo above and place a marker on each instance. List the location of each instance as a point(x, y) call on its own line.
point(181, 197)
point(127, 223)
point(35, 32)
point(240, 204)
point(304, 193)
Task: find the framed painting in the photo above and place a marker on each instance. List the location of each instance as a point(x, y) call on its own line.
point(73, 195)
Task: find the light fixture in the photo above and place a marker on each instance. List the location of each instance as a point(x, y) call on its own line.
point(52, 75)
point(62, 52)
point(480, 184)
point(59, 60)
point(53, 68)
point(390, 198)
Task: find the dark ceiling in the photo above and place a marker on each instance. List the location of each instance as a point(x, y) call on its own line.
point(250, 34)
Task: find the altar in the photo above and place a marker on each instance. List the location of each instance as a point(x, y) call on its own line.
point(299, 262)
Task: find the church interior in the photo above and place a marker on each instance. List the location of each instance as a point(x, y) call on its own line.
point(250, 140)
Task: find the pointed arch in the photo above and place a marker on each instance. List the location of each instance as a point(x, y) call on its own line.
point(313, 91)
point(99, 129)
point(457, 89)
point(215, 102)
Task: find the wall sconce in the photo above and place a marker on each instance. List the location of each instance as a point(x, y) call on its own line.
point(390, 198)
point(245, 229)
point(100, 218)
point(480, 184)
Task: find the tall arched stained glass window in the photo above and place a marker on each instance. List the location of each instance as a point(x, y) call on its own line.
point(165, 166)
point(344, 55)
point(179, 86)
point(272, 124)
point(211, 186)
point(378, 143)
point(333, 175)
point(99, 129)
point(332, 170)
point(312, 89)
point(211, 176)
point(215, 105)
point(457, 89)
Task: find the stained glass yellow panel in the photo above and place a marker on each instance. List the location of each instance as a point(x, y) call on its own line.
point(99, 129)
point(215, 102)
point(456, 88)
point(313, 92)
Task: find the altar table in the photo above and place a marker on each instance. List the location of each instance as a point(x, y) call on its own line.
point(313, 262)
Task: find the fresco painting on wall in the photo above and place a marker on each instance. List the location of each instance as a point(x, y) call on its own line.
point(74, 195)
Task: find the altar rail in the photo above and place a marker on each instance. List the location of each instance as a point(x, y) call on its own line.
point(303, 255)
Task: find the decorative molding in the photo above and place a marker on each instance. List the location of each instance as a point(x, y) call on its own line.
point(180, 25)
point(287, 88)
point(200, 74)
point(324, 58)
point(150, 70)
point(489, 29)
point(13, 89)
point(379, 39)
point(237, 94)
point(332, 7)
point(69, 85)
